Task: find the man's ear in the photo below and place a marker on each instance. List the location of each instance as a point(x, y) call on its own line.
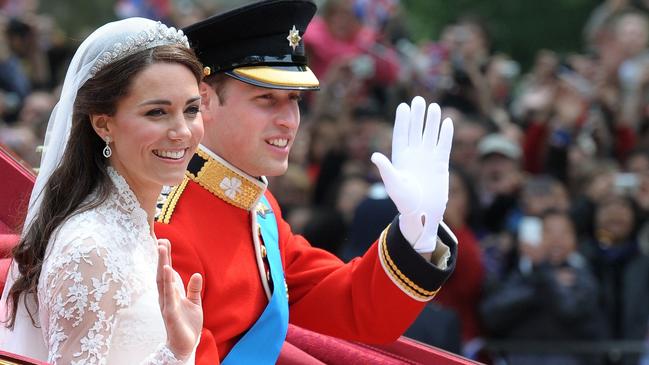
point(208, 96)
point(102, 126)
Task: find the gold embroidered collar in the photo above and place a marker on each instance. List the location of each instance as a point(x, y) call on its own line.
point(225, 181)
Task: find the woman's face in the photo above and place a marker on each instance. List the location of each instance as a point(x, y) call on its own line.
point(156, 127)
point(615, 216)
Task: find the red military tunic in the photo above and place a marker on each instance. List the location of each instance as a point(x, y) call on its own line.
point(210, 219)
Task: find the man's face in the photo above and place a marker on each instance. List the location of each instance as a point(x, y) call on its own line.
point(252, 127)
point(559, 239)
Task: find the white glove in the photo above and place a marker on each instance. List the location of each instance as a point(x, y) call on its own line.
point(417, 178)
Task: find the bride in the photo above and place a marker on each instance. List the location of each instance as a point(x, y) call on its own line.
point(90, 284)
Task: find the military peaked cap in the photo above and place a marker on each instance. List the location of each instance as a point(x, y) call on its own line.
point(260, 43)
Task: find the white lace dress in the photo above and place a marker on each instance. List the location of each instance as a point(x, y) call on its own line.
point(97, 289)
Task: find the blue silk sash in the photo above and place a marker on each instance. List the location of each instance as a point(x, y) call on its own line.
point(263, 341)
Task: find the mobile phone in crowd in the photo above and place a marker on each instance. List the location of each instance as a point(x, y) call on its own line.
point(626, 182)
point(530, 231)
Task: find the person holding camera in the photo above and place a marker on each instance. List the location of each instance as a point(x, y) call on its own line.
point(550, 295)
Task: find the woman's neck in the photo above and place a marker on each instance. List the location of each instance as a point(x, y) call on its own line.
point(146, 194)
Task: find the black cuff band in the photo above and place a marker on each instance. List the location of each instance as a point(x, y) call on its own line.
point(411, 268)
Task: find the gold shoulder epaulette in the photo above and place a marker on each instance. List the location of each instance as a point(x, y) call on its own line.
point(170, 202)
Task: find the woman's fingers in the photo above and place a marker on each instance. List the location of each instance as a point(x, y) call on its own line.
point(194, 288)
point(170, 296)
point(165, 242)
point(160, 280)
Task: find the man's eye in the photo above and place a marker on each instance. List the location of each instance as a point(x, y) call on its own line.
point(155, 112)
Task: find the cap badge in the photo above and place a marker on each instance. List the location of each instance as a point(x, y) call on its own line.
point(293, 38)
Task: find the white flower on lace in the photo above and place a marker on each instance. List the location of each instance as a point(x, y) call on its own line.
point(78, 294)
point(75, 256)
point(92, 343)
point(76, 277)
point(100, 287)
point(94, 307)
point(101, 315)
point(231, 187)
point(123, 297)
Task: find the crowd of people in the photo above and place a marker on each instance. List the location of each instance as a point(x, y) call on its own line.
point(549, 184)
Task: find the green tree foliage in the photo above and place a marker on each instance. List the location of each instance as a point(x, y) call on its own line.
point(517, 27)
point(78, 18)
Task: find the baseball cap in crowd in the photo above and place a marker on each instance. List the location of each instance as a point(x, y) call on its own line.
point(260, 44)
point(496, 143)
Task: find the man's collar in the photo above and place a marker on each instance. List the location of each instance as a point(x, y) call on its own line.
point(224, 180)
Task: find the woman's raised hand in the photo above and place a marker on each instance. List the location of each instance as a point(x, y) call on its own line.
point(182, 314)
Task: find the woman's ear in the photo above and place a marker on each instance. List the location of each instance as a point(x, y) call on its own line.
point(101, 125)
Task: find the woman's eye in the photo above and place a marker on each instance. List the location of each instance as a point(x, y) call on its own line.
point(194, 109)
point(155, 112)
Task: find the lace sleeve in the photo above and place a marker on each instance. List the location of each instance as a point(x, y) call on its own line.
point(86, 285)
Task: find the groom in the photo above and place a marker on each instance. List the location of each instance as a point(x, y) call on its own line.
point(224, 223)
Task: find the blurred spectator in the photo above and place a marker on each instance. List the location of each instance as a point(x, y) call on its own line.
point(25, 38)
point(339, 35)
point(468, 43)
point(467, 133)
point(152, 9)
point(463, 291)
point(622, 272)
point(596, 183)
point(549, 296)
point(371, 217)
point(14, 82)
point(323, 227)
point(500, 179)
point(293, 188)
point(351, 192)
point(539, 194)
point(338, 41)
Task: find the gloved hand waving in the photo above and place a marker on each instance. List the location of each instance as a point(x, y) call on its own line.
point(417, 178)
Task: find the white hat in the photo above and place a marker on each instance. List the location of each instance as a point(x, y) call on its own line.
point(497, 143)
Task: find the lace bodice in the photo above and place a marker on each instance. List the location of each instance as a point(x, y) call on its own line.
point(97, 289)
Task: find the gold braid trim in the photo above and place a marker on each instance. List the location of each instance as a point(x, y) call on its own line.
point(171, 201)
point(397, 275)
point(213, 173)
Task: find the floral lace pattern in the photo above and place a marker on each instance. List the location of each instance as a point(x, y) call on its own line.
point(97, 289)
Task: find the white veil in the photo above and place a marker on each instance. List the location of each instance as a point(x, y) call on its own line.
point(109, 43)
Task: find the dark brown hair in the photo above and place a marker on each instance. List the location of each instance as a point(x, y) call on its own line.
point(67, 189)
point(217, 82)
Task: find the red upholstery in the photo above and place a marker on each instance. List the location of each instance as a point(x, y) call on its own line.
point(334, 351)
point(4, 228)
point(17, 184)
point(7, 242)
point(292, 355)
point(12, 359)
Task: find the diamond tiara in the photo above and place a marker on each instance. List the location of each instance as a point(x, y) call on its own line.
point(159, 35)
